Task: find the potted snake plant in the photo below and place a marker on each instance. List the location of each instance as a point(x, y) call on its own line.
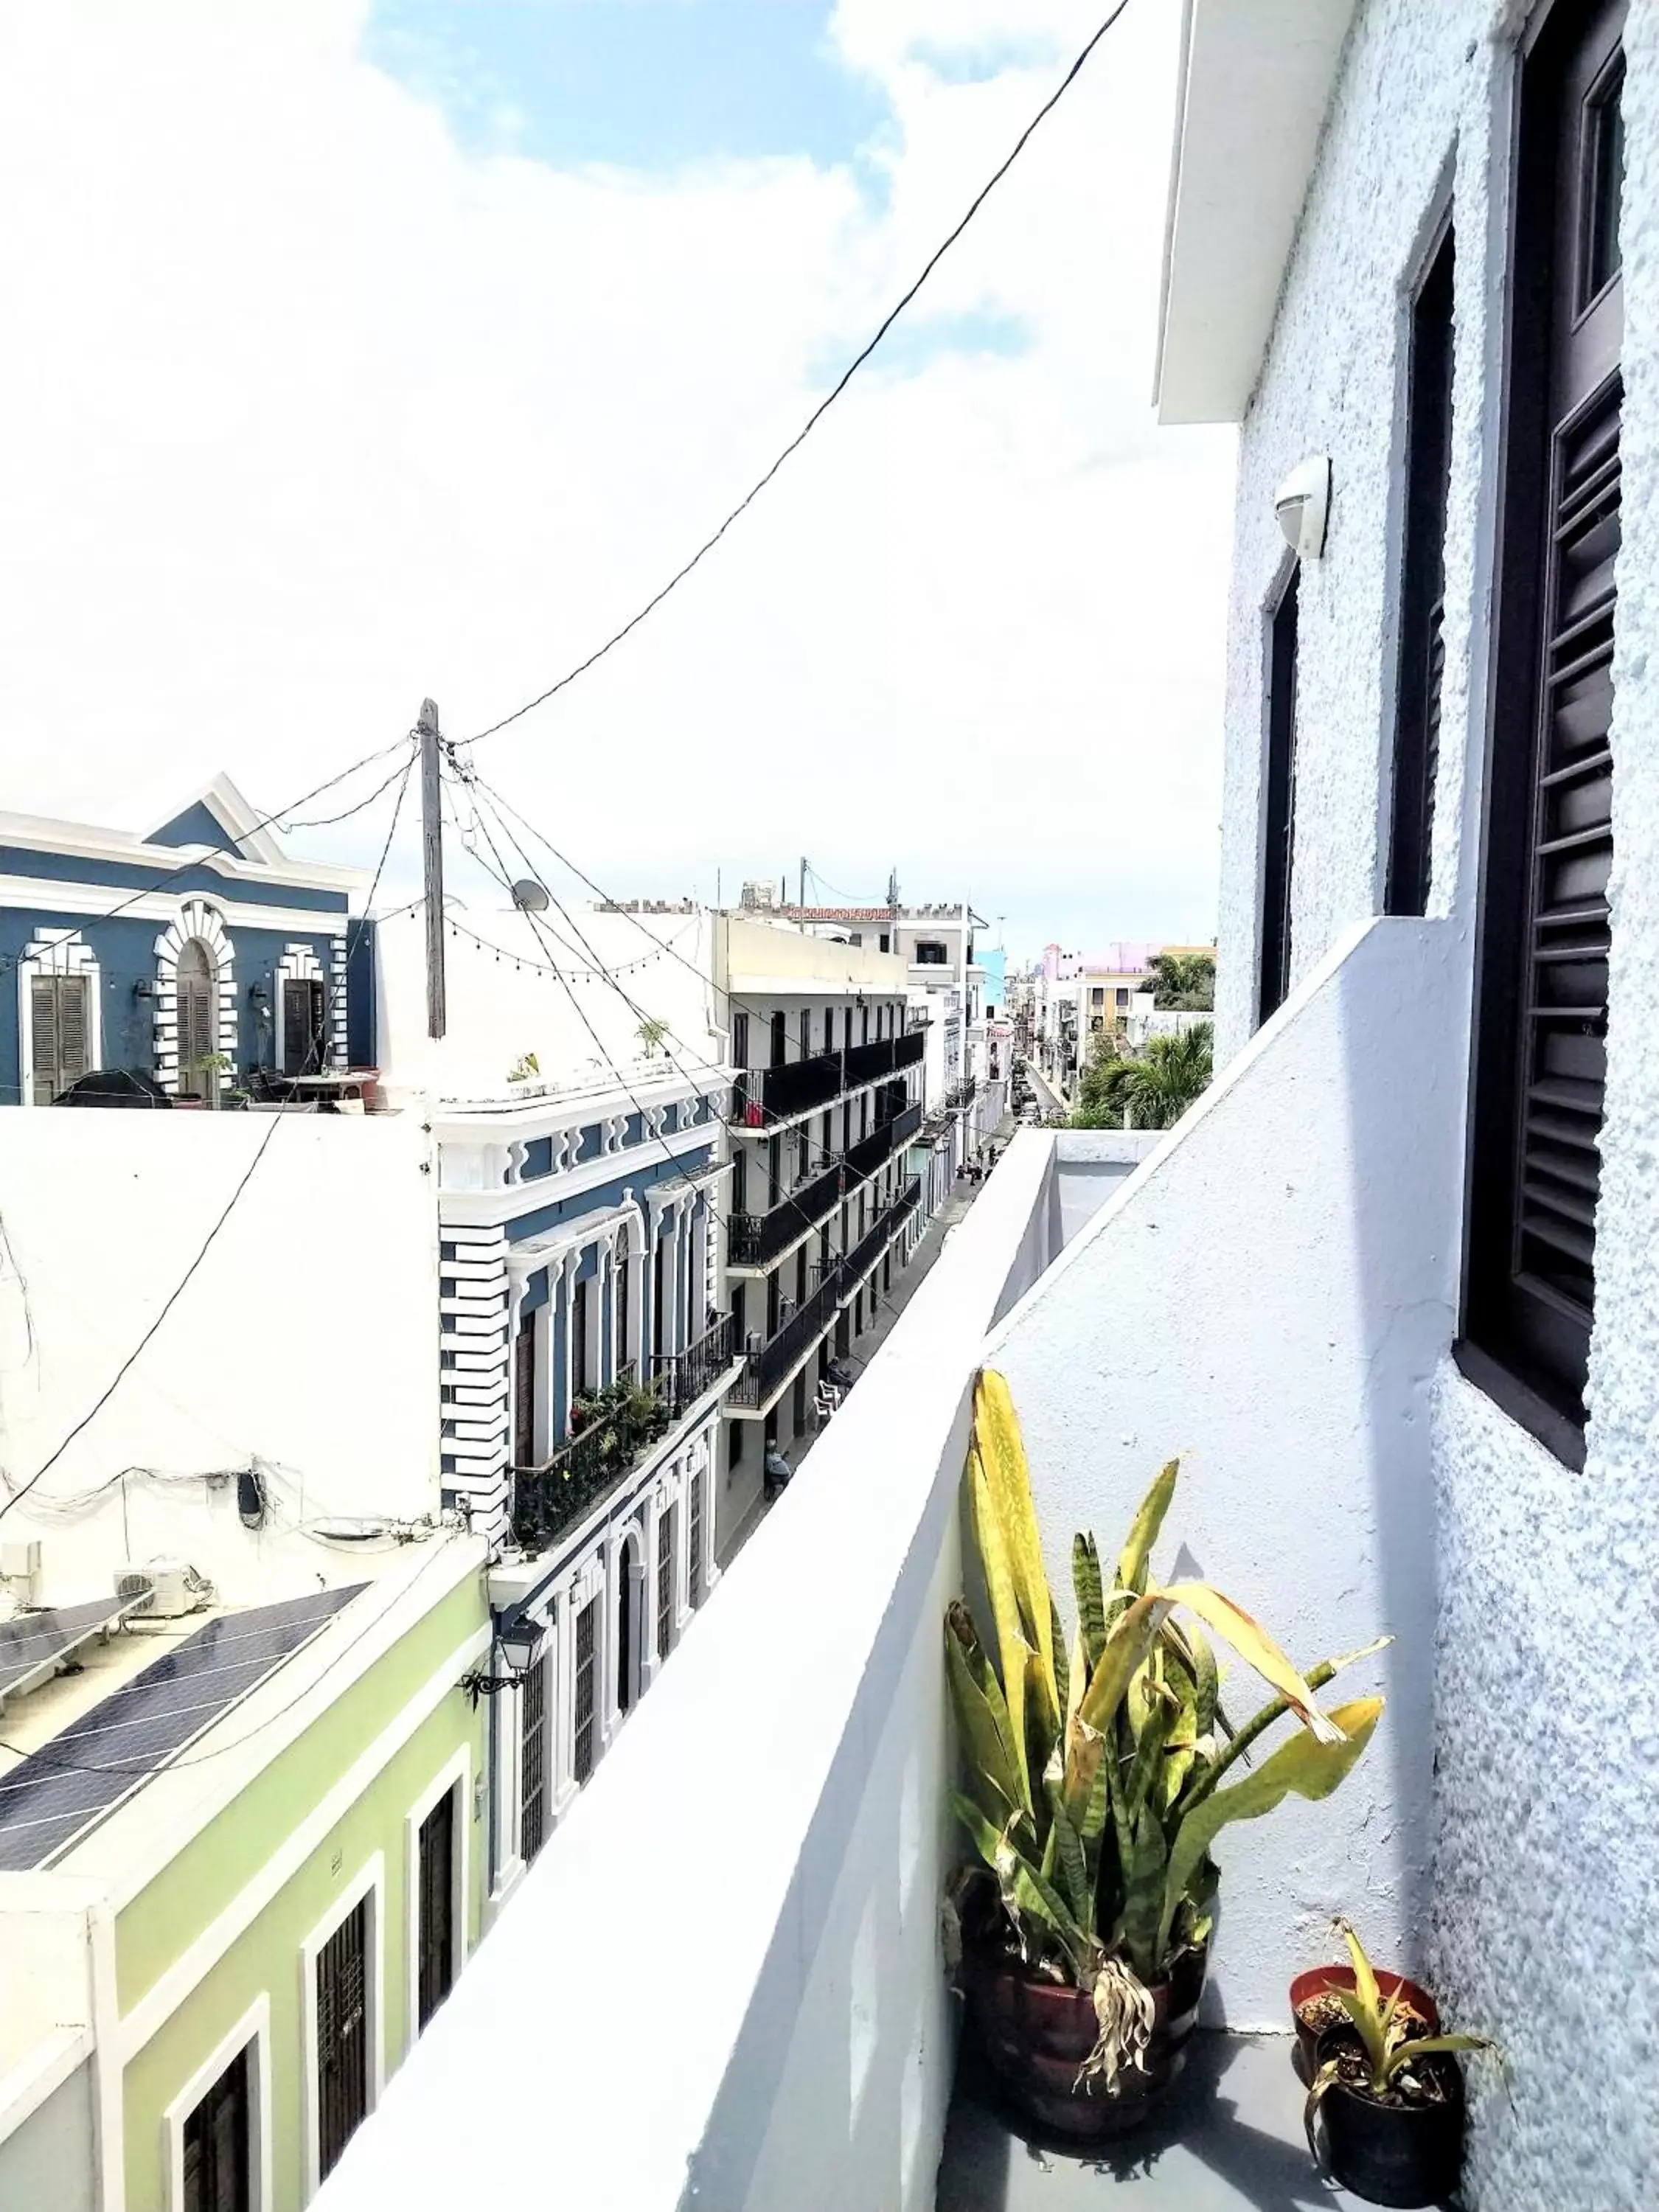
point(1385, 2106)
point(1092, 1795)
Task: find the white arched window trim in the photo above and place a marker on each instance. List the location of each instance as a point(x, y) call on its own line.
point(56, 952)
point(196, 919)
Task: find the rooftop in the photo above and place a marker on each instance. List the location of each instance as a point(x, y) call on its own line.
point(792, 1946)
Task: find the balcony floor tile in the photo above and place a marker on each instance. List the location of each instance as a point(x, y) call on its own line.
point(1228, 2139)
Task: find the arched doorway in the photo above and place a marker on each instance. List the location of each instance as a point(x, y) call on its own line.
point(630, 1584)
point(197, 993)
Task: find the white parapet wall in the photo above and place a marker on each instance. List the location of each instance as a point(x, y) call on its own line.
point(720, 1983)
point(1267, 1296)
point(306, 1341)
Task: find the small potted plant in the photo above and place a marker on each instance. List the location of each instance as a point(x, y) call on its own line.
point(1385, 2109)
point(1092, 1796)
point(1316, 2005)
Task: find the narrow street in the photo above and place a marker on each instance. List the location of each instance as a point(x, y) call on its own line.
point(1048, 1097)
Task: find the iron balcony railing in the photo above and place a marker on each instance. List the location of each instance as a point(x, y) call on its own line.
point(754, 1239)
point(763, 1095)
point(681, 1377)
point(768, 1364)
point(621, 1423)
point(875, 1240)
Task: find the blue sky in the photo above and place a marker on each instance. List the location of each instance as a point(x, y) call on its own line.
point(384, 416)
point(566, 81)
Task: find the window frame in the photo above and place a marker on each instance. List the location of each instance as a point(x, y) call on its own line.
point(366, 1885)
point(1543, 305)
point(252, 2031)
point(453, 1778)
point(1276, 870)
point(1420, 586)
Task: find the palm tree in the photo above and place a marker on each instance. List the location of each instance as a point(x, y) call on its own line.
point(1183, 982)
point(1154, 1089)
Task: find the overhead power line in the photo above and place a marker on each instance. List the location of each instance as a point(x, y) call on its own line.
point(232, 844)
point(825, 403)
point(207, 1243)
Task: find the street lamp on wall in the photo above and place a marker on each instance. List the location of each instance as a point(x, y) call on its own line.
point(519, 1639)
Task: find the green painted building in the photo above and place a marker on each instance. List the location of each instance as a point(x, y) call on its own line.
point(214, 1952)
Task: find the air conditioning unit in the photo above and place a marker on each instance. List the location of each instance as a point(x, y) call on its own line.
point(165, 1589)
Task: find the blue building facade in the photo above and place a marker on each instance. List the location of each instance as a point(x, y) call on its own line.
point(583, 1363)
point(197, 954)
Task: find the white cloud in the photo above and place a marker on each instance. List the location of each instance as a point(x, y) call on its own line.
point(311, 412)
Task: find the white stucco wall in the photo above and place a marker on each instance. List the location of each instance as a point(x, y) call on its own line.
point(308, 1337)
point(758, 1865)
point(1259, 1298)
point(1546, 1757)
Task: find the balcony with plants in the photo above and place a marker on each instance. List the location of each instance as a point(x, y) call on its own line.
point(613, 1431)
point(1038, 1902)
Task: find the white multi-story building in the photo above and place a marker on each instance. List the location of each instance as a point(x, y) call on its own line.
point(825, 1203)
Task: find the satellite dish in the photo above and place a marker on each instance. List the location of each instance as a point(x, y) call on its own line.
point(530, 895)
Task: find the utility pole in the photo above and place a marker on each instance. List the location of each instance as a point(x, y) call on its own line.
point(802, 900)
point(432, 855)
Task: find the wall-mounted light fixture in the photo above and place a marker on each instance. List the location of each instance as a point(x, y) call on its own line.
point(143, 989)
point(1303, 504)
point(260, 999)
point(519, 1640)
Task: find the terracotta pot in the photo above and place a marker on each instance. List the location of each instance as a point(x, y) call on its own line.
point(1317, 1979)
point(1037, 2034)
point(1407, 2156)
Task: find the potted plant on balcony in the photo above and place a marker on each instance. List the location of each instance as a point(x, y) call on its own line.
point(1316, 2003)
point(1385, 2109)
point(1093, 1795)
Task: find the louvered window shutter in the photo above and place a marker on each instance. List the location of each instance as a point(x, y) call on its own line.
point(1542, 1005)
point(43, 1009)
point(72, 1054)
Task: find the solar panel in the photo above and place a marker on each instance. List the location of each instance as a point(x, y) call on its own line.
point(49, 1800)
point(34, 1644)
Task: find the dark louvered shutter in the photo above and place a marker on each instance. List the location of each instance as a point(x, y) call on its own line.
point(1423, 582)
point(435, 1968)
point(1541, 1036)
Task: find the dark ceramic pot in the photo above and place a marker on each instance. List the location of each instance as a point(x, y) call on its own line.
point(1318, 1979)
point(1403, 2155)
point(1037, 2034)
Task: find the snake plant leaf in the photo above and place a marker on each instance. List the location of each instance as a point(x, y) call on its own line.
point(1090, 1603)
point(1144, 1530)
point(1122, 1652)
point(1369, 2027)
point(1085, 1785)
point(1062, 1672)
point(1364, 1980)
point(1252, 1643)
point(1424, 2046)
point(983, 1716)
point(1042, 1719)
point(1304, 1765)
point(1199, 1660)
point(1011, 1644)
point(1077, 1676)
point(1002, 1454)
point(1151, 1738)
point(1137, 1928)
point(1180, 1748)
point(1071, 1869)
